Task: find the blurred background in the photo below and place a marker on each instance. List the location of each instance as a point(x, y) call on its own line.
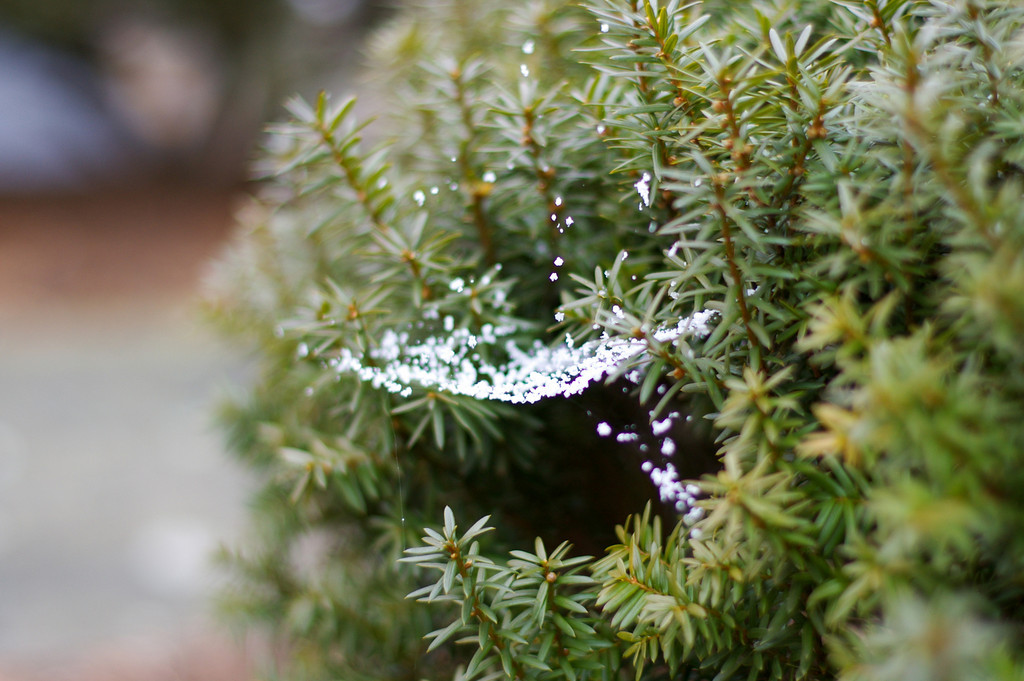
point(126, 132)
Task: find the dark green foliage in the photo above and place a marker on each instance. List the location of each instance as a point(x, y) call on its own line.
point(832, 188)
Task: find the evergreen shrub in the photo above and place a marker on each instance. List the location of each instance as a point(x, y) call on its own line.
point(744, 277)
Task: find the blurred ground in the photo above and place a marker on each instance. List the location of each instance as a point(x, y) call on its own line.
point(113, 484)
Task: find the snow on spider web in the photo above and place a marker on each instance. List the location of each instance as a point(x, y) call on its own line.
point(453, 363)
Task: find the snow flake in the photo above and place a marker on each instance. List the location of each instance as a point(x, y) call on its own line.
point(659, 428)
point(643, 188)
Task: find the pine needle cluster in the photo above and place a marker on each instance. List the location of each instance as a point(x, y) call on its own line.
point(751, 274)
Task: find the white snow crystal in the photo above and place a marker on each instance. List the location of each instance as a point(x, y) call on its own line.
point(643, 188)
